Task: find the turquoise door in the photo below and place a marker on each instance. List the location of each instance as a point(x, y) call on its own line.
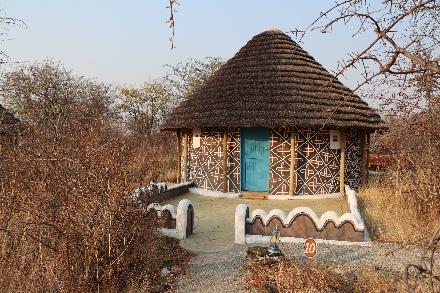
point(255, 158)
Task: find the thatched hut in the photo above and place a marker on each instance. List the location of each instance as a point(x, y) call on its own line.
point(8, 122)
point(272, 119)
point(9, 128)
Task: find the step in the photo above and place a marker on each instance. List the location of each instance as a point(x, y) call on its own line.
point(258, 195)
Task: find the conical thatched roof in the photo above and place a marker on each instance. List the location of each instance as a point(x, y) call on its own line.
point(272, 82)
point(8, 121)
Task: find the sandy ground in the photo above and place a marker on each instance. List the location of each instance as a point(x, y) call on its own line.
point(214, 217)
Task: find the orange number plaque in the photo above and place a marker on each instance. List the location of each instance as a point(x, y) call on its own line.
point(310, 247)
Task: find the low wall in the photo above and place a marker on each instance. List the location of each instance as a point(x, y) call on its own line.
point(171, 192)
point(177, 223)
point(159, 192)
point(301, 223)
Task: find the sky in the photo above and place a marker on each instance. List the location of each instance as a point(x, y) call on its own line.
point(126, 42)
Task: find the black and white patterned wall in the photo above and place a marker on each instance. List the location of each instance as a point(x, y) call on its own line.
point(279, 161)
point(353, 159)
point(206, 161)
point(234, 160)
point(316, 165)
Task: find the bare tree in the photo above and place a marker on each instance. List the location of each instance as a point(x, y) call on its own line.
point(185, 77)
point(404, 36)
point(7, 23)
point(144, 108)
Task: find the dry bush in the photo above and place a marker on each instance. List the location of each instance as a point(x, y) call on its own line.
point(67, 223)
point(402, 203)
point(415, 175)
point(292, 276)
point(155, 159)
point(377, 280)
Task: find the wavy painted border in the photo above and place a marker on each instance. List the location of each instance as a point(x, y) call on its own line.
point(319, 222)
point(179, 214)
point(354, 217)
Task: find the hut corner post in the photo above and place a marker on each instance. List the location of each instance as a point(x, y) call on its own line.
point(368, 155)
point(225, 159)
point(179, 156)
point(364, 158)
point(292, 186)
point(185, 156)
point(342, 164)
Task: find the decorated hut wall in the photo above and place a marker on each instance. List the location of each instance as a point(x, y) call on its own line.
point(205, 162)
point(353, 158)
point(316, 171)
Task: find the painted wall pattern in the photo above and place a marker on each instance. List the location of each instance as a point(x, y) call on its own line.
point(234, 160)
point(353, 158)
point(206, 162)
point(182, 158)
point(316, 165)
point(279, 161)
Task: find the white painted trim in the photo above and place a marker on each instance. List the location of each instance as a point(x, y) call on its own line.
point(168, 232)
point(212, 193)
point(240, 223)
point(353, 206)
point(314, 196)
point(258, 239)
point(181, 218)
point(175, 186)
point(319, 222)
point(352, 203)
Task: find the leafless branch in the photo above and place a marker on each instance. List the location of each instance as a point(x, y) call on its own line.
point(420, 22)
point(171, 20)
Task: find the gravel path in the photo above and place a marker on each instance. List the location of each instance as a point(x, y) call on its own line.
point(221, 271)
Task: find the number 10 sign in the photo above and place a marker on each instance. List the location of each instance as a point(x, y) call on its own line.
point(310, 248)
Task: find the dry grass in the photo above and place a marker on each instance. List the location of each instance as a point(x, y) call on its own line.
point(390, 215)
point(386, 217)
point(376, 280)
point(292, 276)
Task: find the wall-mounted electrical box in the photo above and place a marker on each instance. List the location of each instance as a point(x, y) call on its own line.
point(335, 139)
point(197, 132)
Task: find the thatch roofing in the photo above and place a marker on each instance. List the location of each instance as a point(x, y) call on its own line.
point(8, 121)
point(273, 82)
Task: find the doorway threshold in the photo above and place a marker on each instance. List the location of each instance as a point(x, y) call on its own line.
point(254, 195)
